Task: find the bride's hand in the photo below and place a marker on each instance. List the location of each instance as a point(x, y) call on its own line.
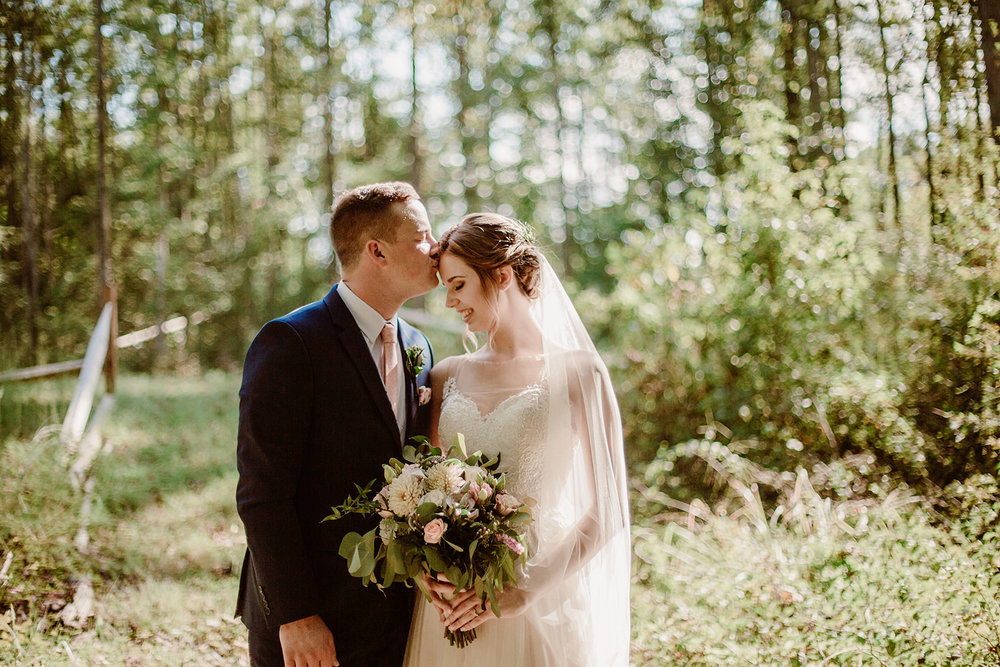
point(442, 592)
point(467, 611)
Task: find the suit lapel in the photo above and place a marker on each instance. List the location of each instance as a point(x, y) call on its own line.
point(405, 333)
point(353, 343)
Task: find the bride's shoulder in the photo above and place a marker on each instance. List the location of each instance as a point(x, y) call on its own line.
point(445, 368)
point(579, 359)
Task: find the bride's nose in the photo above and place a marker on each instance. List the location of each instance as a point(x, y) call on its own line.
point(450, 301)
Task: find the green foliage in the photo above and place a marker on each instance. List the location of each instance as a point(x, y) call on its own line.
point(820, 578)
point(804, 335)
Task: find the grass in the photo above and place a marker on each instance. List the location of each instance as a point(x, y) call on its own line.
point(165, 540)
point(812, 582)
point(809, 579)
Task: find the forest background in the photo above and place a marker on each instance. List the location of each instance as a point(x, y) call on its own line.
point(780, 220)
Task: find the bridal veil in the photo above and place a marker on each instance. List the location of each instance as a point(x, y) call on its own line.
point(578, 573)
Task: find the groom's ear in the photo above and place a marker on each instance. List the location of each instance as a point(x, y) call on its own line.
point(373, 250)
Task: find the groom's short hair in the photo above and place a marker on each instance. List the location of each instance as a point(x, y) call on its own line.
point(362, 214)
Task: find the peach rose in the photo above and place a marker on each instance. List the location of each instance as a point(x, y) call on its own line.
point(434, 530)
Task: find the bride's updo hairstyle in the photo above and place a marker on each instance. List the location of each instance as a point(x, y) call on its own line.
point(488, 242)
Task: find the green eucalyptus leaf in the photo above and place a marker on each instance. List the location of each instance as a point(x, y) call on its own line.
point(425, 511)
point(435, 561)
point(459, 447)
point(472, 548)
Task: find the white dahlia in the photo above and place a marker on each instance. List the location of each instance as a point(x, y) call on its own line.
point(404, 494)
point(445, 477)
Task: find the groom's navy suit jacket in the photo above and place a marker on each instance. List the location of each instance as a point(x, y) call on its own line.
point(314, 421)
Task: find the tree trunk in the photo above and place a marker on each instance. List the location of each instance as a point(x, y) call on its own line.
point(789, 42)
point(925, 84)
point(891, 147)
point(28, 234)
point(979, 163)
point(550, 26)
point(708, 33)
point(329, 167)
point(989, 16)
point(103, 209)
point(416, 159)
point(162, 253)
point(814, 65)
point(272, 93)
point(837, 97)
point(466, 115)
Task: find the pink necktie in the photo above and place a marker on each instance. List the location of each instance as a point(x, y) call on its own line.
point(390, 365)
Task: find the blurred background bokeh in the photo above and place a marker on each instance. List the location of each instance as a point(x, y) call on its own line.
point(780, 219)
point(780, 216)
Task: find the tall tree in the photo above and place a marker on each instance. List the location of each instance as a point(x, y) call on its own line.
point(327, 97)
point(415, 149)
point(989, 17)
point(103, 206)
point(29, 237)
point(887, 72)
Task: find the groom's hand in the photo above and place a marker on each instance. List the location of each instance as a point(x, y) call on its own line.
point(308, 643)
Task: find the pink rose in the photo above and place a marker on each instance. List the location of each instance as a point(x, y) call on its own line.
point(434, 530)
point(423, 395)
point(481, 492)
point(507, 504)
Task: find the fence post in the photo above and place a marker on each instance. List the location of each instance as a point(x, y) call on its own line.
point(90, 375)
point(109, 294)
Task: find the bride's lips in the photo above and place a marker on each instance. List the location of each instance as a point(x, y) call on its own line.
point(466, 315)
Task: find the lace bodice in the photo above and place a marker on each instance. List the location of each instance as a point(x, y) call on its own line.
point(514, 429)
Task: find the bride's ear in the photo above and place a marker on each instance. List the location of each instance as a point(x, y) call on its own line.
point(505, 277)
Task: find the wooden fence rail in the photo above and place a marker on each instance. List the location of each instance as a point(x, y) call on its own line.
point(172, 326)
point(175, 326)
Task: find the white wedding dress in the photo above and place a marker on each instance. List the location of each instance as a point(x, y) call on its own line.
point(554, 421)
point(555, 629)
point(511, 429)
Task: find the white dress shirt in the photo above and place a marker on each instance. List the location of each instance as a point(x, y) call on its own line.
point(371, 324)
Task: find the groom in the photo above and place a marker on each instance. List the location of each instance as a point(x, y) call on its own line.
point(329, 394)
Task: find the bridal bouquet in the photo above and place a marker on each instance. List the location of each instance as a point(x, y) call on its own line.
point(444, 515)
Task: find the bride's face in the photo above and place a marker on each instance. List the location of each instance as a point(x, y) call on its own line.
point(466, 293)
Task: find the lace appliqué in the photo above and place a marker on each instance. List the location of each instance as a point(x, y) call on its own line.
point(514, 429)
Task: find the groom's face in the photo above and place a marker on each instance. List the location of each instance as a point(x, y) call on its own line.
point(409, 254)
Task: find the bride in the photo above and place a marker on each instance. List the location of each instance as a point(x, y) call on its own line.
point(539, 395)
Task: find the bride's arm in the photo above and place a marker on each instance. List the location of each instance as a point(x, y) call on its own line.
point(602, 510)
point(439, 373)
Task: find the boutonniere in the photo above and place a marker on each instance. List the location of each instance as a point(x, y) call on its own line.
point(414, 360)
point(423, 395)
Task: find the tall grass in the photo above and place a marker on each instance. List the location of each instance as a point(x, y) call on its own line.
point(813, 580)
